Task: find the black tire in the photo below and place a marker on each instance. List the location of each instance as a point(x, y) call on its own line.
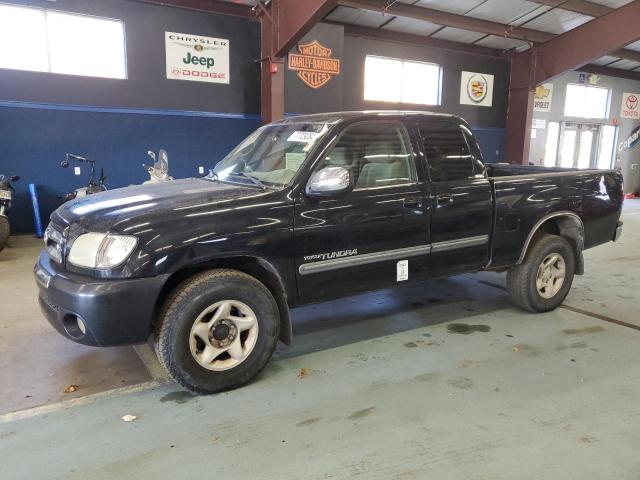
point(181, 309)
point(5, 231)
point(521, 279)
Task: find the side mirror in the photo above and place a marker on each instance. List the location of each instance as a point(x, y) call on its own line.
point(329, 181)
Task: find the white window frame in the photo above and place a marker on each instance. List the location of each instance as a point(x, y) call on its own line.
point(45, 12)
point(401, 80)
point(579, 85)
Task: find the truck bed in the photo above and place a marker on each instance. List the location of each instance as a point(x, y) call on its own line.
point(524, 195)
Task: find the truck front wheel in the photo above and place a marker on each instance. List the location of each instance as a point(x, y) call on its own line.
point(217, 330)
point(544, 278)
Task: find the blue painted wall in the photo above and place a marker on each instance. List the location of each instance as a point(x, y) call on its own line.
point(44, 115)
point(34, 139)
point(491, 142)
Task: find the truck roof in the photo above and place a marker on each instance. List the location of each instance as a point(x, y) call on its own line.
point(335, 117)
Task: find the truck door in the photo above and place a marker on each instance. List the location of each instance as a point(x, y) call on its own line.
point(374, 235)
point(461, 199)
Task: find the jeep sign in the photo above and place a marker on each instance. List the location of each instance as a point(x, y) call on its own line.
point(192, 57)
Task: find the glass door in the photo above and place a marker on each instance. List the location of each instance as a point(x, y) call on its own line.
point(584, 145)
point(568, 140)
point(551, 144)
point(606, 149)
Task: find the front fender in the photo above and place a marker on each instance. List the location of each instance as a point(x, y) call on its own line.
point(277, 277)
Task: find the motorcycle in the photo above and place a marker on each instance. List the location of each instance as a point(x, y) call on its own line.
point(159, 172)
point(93, 186)
point(6, 192)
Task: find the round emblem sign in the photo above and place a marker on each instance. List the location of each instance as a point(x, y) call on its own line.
point(477, 88)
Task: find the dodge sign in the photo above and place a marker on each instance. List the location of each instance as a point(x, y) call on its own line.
point(201, 59)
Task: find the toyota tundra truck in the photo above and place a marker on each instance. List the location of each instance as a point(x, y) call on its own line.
point(306, 210)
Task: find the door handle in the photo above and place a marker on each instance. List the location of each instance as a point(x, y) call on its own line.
point(412, 203)
point(444, 199)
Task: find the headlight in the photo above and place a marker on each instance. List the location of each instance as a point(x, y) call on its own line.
point(99, 250)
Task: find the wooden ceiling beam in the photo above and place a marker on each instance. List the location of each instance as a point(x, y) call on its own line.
point(610, 72)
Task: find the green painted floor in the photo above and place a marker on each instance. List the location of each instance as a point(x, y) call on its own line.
point(381, 386)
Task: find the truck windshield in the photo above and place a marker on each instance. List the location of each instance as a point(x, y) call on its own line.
point(271, 155)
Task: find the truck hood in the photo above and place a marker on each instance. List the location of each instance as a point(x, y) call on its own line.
point(113, 209)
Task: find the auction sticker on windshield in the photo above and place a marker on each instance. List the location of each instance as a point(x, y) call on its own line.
point(303, 137)
point(293, 161)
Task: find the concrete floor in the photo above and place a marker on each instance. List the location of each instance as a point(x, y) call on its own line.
point(376, 386)
point(36, 364)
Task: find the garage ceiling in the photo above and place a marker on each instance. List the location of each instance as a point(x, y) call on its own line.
point(545, 17)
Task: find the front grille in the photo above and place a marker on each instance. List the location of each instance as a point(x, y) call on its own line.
point(54, 241)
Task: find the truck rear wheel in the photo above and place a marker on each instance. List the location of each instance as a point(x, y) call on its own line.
point(217, 330)
point(544, 278)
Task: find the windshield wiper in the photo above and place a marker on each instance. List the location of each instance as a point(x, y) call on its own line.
point(251, 178)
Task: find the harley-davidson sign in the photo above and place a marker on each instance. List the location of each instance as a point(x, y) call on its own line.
point(313, 64)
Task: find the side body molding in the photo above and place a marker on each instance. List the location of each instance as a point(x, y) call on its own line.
point(336, 264)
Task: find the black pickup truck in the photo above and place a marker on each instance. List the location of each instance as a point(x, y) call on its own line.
point(305, 210)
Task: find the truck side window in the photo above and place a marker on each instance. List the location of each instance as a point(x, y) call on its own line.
point(478, 165)
point(448, 155)
point(376, 153)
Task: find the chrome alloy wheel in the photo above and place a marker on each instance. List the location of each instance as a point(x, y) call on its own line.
point(223, 335)
point(551, 274)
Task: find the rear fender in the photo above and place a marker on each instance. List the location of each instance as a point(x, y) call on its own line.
point(569, 225)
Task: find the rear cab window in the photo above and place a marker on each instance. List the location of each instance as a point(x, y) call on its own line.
point(448, 152)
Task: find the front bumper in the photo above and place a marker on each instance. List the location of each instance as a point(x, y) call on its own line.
point(618, 233)
point(97, 312)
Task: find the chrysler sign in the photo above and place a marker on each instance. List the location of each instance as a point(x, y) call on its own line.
point(196, 58)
